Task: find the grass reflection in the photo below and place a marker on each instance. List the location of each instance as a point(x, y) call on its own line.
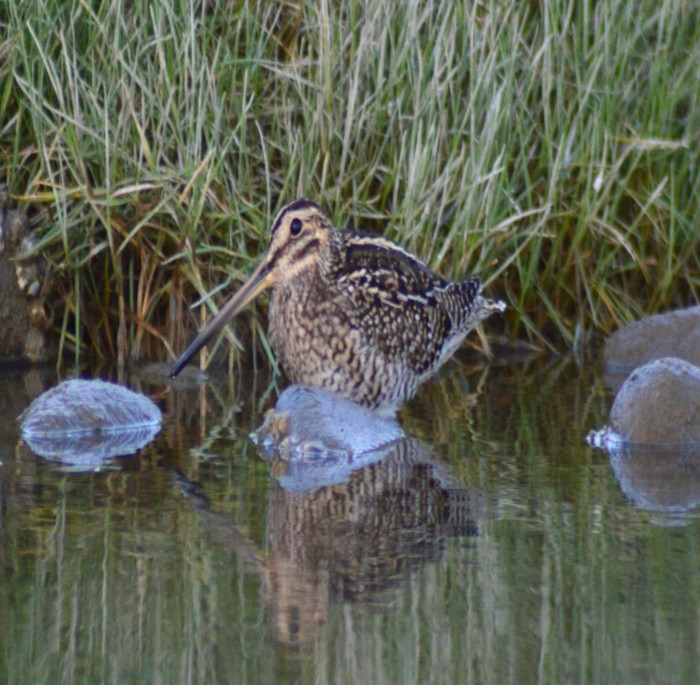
point(552, 575)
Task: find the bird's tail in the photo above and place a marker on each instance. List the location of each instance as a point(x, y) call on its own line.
point(468, 305)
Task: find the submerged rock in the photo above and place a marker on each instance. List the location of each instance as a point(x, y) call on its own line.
point(159, 373)
point(86, 422)
point(659, 403)
point(672, 334)
point(311, 423)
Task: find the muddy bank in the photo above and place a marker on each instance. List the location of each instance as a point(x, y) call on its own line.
point(25, 317)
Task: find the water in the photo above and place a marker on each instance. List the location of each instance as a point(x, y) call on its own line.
point(493, 546)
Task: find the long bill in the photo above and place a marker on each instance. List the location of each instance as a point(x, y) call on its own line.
point(260, 280)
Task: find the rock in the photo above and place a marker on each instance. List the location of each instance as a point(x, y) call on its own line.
point(24, 318)
point(159, 373)
point(311, 423)
point(79, 406)
point(86, 422)
point(659, 403)
point(673, 334)
point(314, 438)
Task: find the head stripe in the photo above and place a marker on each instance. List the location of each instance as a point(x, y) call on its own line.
point(301, 204)
point(293, 207)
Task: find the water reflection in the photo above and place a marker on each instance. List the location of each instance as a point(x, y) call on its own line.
point(662, 479)
point(492, 547)
point(86, 451)
point(355, 541)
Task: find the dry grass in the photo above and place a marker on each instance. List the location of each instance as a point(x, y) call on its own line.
point(551, 147)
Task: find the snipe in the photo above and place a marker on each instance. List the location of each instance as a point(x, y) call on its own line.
point(352, 312)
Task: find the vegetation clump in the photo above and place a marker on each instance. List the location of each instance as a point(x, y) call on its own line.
point(550, 147)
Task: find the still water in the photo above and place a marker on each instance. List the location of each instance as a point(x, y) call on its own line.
point(491, 546)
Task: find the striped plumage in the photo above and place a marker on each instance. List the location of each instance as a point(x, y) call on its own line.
point(352, 312)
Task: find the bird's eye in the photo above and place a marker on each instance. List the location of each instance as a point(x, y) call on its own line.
point(295, 227)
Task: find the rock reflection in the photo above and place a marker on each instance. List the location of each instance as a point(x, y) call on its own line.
point(346, 528)
point(661, 479)
point(88, 451)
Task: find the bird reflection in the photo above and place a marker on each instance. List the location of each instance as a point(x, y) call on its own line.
point(346, 528)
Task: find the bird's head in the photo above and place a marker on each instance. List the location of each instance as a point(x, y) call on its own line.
point(298, 235)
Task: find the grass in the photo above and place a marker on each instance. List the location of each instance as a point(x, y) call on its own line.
point(551, 147)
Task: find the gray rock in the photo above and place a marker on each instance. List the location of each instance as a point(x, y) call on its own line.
point(79, 406)
point(673, 334)
point(659, 403)
point(87, 422)
point(311, 423)
point(315, 438)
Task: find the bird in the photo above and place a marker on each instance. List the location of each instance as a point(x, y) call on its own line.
point(352, 312)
